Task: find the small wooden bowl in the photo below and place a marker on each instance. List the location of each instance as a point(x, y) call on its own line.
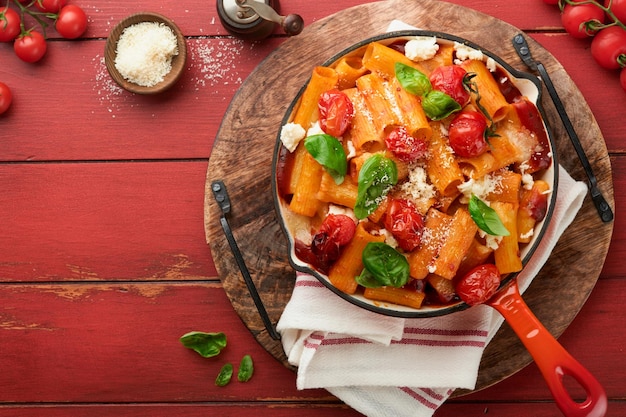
point(178, 61)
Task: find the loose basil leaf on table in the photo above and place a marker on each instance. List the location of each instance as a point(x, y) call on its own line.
point(327, 150)
point(225, 375)
point(376, 177)
point(206, 344)
point(246, 369)
point(412, 80)
point(386, 265)
point(486, 218)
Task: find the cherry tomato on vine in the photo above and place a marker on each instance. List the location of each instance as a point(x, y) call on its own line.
point(336, 112)
point(608, 47)
point(405, 223)
point(50, 6)
point(30, 47)
point(72, 22)
point(5, 97)
point(622, 78)
point(581, 20)
point(466, 134)
point(404, 146)
point(9, 24)
point(449, 79)
point(479, 284)
point(551, 2)
point(618, 7)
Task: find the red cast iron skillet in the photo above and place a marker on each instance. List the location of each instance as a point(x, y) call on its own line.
point(552, 359)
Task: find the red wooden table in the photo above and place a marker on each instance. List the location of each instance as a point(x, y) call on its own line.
point(103, 258)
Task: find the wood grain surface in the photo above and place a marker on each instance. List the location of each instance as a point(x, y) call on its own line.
point(253, 120)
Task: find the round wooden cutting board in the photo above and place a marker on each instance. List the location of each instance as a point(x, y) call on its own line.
point(242, 158)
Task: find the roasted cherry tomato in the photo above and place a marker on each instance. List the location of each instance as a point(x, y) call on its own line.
point(449, 79)
point(336, 231)
point(405, 223)
point(5, 97)
point(9, 24)
point(404, 146)
point(535, 203)
point(579, 20)
point(71, 22)
point(466, 134)
point(30, 46)
point(479, 284)
point(336, 112)
point(50, 6)
point(608, 47)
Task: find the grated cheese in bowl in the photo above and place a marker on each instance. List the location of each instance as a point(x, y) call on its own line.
point(144, 53)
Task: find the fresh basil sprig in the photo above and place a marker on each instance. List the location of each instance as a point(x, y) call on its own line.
point(376, 177)
point(206, 344)
point(384, 266)
point(412, 80)
point(437, 105)
point(486, 218)
point(327, 150)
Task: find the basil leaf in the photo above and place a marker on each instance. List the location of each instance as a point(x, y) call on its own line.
point(412, 80)
point(387, 266)
point(376, 177)
point(206, 344)
point(225, 375)
point(486, 218)
point(438, 105)
point(246, 369)
point(328, 151)
point(367, 280)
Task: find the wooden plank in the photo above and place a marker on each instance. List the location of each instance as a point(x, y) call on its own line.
point(103, 221)
point(201, 19)
point(277, 410)
point(93, 343)
point(99, 120)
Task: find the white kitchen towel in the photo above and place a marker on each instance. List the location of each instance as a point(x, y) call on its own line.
point(385, 366)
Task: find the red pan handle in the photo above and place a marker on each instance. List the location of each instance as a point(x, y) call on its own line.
point(553, 360)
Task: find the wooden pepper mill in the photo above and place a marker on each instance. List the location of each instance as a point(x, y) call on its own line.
point(256, 19)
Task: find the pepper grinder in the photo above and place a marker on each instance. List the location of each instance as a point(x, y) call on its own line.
point(255, 19)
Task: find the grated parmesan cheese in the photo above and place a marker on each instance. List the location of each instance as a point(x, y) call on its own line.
point(144, 53)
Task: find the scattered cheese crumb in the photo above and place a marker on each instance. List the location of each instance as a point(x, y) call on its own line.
point(389, 239)
point(417, 187)
point(291, 134)
point(315, 129)
point(351, 150)
point(464, 52)
point(492, 242)
point(491, 64)
point(335, 209)
point(481, 187)
point(144, 53)
point(421, 48)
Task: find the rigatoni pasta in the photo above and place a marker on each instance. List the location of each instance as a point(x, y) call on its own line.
point(418, 200)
